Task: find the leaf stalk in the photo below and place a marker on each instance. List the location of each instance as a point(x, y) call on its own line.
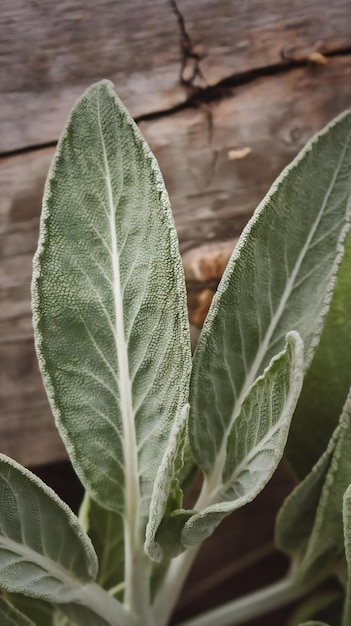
point(250, 606)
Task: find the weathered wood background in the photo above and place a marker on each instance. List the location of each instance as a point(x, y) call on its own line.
point(226, 92)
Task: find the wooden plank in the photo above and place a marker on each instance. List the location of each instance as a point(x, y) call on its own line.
point(21, 187)
point(212, 195)
point(236, 37)
point(27, 429)
point(153, 50)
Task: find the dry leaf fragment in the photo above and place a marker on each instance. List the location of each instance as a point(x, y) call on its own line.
point(238, 154)
point(317, 58)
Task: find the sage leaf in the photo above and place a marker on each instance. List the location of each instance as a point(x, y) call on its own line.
point(10, 616)
point(82, 616)
point(109, 305)
point(169, 532)
point(319, 550)
point(256, 441)
point(44, 551)
point(105, 529)
point(347, 537)
point(166, 484)
point(290, 249)
point(327, 381)
point(46, 614)
point(295, 520)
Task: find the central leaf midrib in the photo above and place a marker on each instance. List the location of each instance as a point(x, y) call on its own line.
point(52, 568)
point(129, 443)
point(259, 446)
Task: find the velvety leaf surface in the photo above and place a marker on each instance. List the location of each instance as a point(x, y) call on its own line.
point(295, 520)
point(290, 249)
point(44, 551)
point(256, 441)
point(327, 381)
point(109, 304)
point(255, 444)
point(105, 529)
point(167, 494)
point(322, 549)
point(81, 616)
point(46, 614)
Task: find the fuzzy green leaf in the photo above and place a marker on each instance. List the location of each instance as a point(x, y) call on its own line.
point(256, 441)
point(81, 616)
point(44, 551)
point(327, 381)
point(295, 520)
point(109, 304)
point(310, 524)
point(166, 487)
point(46, 614)
point(290, 249)
point(105, 529)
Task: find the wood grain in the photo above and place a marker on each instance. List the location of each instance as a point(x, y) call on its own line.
point(51, 51)
point(212, 194)
point(218, 159)
point(212, 197)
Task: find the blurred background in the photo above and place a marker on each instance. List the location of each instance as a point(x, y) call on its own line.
point(226, 93)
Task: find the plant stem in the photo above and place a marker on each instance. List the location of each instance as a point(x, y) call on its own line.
point(103, 604)
point(172, 585)
point(137, 578)
point(179, 568)
point(250, 606)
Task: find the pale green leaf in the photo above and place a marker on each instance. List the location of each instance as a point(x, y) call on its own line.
point(290, 249)
point(347, 538)
point(327, 381)
point(169, 532)
point(9, 616)
point(256, 441)
point(295, 520)
point(81, 616)
point(109, 304)
point(313, 533)
point(46, 614)
point(44, 551)
point(166, 485)
point(105, 529)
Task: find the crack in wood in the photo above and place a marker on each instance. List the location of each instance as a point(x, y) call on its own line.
point(35, 148)
point(201, 97)
point(190, 69)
